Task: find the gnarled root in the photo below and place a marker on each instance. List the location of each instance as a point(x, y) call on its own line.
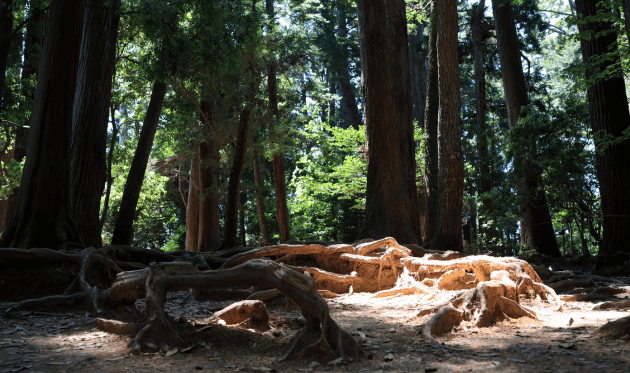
point(615, 329)
point(320, 340)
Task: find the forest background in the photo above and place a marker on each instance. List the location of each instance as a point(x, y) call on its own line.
point(291, 71)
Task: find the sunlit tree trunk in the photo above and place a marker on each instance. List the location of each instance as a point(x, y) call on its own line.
point(192, 207)
point(260, 206)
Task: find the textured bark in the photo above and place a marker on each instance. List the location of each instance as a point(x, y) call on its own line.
point(429, 209)
point(90, 116)
point(450, 158)
point(43, 214)
point(391, 200)
point(418, 71)
point(6, 39)
point(536, 227)
point(192, 210)
point(479, 37)
point(209, 224)
point(608, 106)
point(260, 206)
point(123, 230)
point(234, 187)
point(241, 212)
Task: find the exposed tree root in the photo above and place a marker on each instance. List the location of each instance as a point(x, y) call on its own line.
point(615, 329)
point(566, 285)
point(613, 305)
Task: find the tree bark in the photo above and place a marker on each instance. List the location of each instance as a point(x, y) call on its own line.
point(536, 227)
point(608, 106)
point(391, 209)
point(43, 215)
point(277, 163)
point(6, 38)
point(479, 37)
point(90, 116)
point(260, 206)
point(231, 214)
point(241, 211)
point(192, 210)
point(450, 158)
point(418, 72)
point(429, 207)
point(123, 230)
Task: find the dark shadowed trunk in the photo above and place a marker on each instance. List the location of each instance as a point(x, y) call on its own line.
point(17, 152)
point(391, 209)
point(43, 214)
point(429, 207)
point(480, 34)
point(6, 38)
point(260, 206)
point(241, 212)
point(234, 187)
point(536, 227)
point(418, 73)
point(625, 4)
point(90, 116)
point(451, 161)
point(608, 106)
point(123, 230)
point(192, 209)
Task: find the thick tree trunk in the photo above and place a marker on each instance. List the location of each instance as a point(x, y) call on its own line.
point(536, 227)
point(479, 36)
point(234, 187)
point(123, 230)
point(260, 206)
point(241, 212)
point(43, 215)
point(192, 210)
point(429, 208)
point(608, 106)
point(6, 38)
point(90, 116)
point(625, 4)
point(391, 209)
point(450, 158)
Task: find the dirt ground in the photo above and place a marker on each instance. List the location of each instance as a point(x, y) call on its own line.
point(561, 340)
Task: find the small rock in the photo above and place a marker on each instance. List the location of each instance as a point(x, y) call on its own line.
point(430, 369)
point(571, 321)
point(199, 367)
point(389, 357)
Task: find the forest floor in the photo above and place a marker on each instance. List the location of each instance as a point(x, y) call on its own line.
point(561, 340)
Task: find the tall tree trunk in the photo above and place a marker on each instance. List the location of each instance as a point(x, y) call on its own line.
point(123, 230)
point(625, 4)
point(241, 212)
point(277, 163)
point(391, 200)
point(348, 102)
point(17, 153)
point(479, 37)
point(260, 206)
point(450, 158)
point(90, 116)
point(43, 215)
point(429, 207)
point(536, 227)
point(231, 214)
point(608, 106)
point(6, 38)
point(192, 210)
point(418, 71)
point(209, 224)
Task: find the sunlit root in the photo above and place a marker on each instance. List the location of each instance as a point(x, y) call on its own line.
point(566, 285)
point(612, 305)
point(321, 339)
point(251, 314)
point(443, 321)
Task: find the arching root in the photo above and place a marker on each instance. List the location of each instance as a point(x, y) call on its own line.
point(321, 339)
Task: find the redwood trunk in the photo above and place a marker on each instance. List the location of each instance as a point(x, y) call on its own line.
point(123, 230)
point(260, 206)
point(429, 209)
point(231, 215)
point(389, 203)
point(450, 158)
point(90, 116)
point(6, 38)
point(479, 36)
point(608, 106)
point(209, 225)
point(43, 215)
point(536, 227)
point(192, 209)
